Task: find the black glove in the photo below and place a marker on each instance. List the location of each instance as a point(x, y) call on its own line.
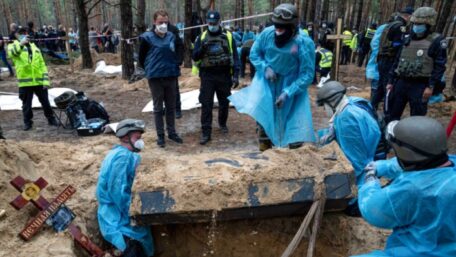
point(235, 82)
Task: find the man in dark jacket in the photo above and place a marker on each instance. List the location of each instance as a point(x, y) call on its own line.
point(3, 55)
point(157, 54)
point(216, 54)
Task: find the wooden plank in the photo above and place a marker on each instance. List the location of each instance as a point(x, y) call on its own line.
point(339, 31)
point(301, 231)
point(316, 227)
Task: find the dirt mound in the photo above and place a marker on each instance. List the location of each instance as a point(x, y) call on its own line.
point(220, 179)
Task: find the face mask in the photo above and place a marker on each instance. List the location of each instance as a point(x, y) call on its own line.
point(213, 29)
point(21, 37)
point(309, 29)
point(419, 29)
point(323, 26)
point(163, 28)
point(279, 33)
point(138, 145)
point(329, 110)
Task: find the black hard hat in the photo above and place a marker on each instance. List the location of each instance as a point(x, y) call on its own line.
point(285, 14)
point(212, 16)
point(417, 140)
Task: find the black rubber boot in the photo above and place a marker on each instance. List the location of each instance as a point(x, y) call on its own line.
point(161, 141)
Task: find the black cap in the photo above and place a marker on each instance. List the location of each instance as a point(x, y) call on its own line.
point(408, 10)
point(212, 16)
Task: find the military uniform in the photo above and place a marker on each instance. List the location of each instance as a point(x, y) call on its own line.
point(391, 41)
point(216, 56)
point(420, 64)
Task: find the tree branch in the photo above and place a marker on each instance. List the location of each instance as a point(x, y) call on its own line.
point(96, 15)
point(93, 6)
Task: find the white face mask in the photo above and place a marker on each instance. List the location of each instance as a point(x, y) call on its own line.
point(279, 33)
point(139, 145)
point(329, 111)
point(163, 28)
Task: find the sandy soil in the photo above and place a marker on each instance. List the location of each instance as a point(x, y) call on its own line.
point(62, 158)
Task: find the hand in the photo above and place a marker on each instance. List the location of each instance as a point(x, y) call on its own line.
point(235, 82)
point(281, 100)
point(328, 137)
point(270, 75)
point(371, 172)
point(389, 86)
point(427, 93)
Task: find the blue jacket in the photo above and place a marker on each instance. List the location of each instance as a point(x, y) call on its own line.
point(158, 55)
point(294, 65)
point(418, 206)
point(113, 192)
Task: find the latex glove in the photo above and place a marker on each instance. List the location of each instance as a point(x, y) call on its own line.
point(328, 137)
point(371, 172)
point(235, 82)
point(24, 41)
point(427, 93)
point(281, 100)
point(269, 74)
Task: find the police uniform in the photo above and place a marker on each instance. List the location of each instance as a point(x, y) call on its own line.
point(217, 58)
point(391, 41)
point(324, 59)
point(365, 45)
point(33, 78)
point(419, 64)
point(346, 47)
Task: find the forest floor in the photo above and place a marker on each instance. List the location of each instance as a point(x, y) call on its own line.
point(63, 158)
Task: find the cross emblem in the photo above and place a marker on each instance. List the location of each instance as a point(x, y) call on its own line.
point(30, 192)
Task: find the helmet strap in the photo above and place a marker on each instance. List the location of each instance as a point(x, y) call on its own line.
point(132, 145)
point(430, 163)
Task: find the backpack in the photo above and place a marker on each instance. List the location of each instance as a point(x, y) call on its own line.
point(90, 108)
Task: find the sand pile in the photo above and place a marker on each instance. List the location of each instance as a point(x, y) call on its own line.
point(219, 180)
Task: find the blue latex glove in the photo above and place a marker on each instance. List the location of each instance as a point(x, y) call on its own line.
point(281, 100)
point(328, 137)
point(371, 172)
point(269, 74)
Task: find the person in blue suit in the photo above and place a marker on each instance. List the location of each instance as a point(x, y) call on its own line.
point(418, 203)
point(113, 193)
point(284, 60)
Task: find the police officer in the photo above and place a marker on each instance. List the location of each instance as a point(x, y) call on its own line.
point(390, 42)
point(419, 65)
point(216, 54)
point(346, 47)
point(324, 31)
point(32, 76)
point(324, 60)
point(365, 43)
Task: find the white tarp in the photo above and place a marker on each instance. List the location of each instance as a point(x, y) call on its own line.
point(111, 128)
point(12, 102)
point(103, 69)
point(4, 71)
point(189, 101)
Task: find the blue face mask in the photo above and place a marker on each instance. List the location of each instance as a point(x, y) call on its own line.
point(419, 29)
point(213, 29)
point(21, 37)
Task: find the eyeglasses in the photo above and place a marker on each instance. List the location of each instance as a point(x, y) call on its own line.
point(283, 13)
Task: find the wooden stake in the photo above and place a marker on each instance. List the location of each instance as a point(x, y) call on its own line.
point(316, 227)
point(338, 37)
point(69, 51)
point(302, 229)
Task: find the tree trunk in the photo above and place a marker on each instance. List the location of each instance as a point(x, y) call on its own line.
point(317, 5)
point(237, 12)
point(242, 14)
point(250, 6)
point(141, 16)
point(324, 13)
point(443, 16)
point(126, 28)
point(84, 34)
point(58, 16)
point(359, 14)
point(188, 34)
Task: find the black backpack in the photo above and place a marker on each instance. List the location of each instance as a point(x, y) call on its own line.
point(93, 109)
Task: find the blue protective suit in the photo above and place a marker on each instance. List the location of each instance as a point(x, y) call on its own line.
point(116, 177)
point(248, 36)
point(294, 65)
point(357, 134)
point(419, 207)
point(372, 66)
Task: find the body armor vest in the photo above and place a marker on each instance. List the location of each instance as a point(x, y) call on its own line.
point(386, 45)
point(414, 61)
point(218, 51)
